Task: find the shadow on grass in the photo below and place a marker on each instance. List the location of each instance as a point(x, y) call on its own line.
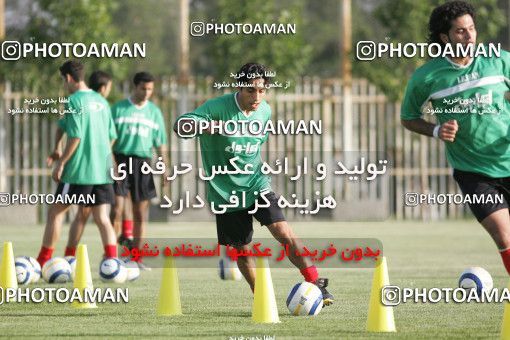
point(48, 314)
point(242, 314)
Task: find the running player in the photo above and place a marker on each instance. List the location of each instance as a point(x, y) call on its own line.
point(235, 226)
point(467, 94)
point(84, 167)
point(140, 127)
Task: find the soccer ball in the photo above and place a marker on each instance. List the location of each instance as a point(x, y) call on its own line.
point(112, 270)
point(56, 270)
point(133, 272)
point(36, 268)
point(72, 262)
point(476, 278)
point(24, 270)
point(305, 298)
point(228, 270)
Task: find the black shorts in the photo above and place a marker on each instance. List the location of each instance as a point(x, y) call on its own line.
point(236, 228)
point(101, 193)
point(476, 184)
point(141, 186)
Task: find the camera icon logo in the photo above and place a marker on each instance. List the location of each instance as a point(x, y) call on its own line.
point(390, 295)
point(411, 199)
point(5, 199)
point(197, 29)
point(187, 127)
point(11, 50)
point(365, 50)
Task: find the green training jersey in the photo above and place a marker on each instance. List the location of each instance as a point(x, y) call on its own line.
point(139, 129)
point(474, 95)
point(90, 120)
point(218, 149)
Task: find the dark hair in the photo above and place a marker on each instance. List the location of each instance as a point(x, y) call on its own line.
point(441, 18)
point(252, 68)
point(98, 79)
point(74, 68)
point(143, 77)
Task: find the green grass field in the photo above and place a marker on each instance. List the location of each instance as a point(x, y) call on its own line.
point(419, 254)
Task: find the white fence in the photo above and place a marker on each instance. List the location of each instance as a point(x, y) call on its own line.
point(416, 163)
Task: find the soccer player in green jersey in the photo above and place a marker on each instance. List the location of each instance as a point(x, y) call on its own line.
point(140, 128)
point(101, 82)
point(467, 95)
point(84, 167)
point(235, 225)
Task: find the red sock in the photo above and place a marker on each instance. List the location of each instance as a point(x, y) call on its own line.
point(110, 250)
point(505, 255)
point(310, 274)
point(44, 255)
point(70, 251)
point(127, 228)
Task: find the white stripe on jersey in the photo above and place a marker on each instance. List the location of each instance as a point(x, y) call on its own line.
point(465, 86)
point(137, 120)
point(468, 85)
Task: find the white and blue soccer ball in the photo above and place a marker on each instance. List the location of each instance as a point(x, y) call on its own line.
point(228, 270)
point(133, 271)
point(112, 270)
point(36, 267)
point(57, 270)
point(305, 298)
point(476, 278)
point(24, 270)
point(72, 262)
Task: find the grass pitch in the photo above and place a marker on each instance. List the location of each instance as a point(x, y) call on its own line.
point(419, 255)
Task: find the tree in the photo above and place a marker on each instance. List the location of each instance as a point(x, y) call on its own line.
point(154, 22)
point(287, 55)
point(84, 21)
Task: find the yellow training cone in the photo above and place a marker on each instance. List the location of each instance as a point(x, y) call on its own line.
point(169, 295)
point(7, 269)
point(264, 302)
point(380, 317)
point(83, 277)
point(505, 327)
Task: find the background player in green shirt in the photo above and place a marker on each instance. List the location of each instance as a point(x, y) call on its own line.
point(468, 97)
point(235, 226)
point(84, 167)
point(140, 128)
point(101, 82)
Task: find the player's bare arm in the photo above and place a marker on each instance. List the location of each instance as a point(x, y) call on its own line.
point(114, 161)
point(71, 146)
point(57, 151)
point(447, 131)
point(162, 152)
